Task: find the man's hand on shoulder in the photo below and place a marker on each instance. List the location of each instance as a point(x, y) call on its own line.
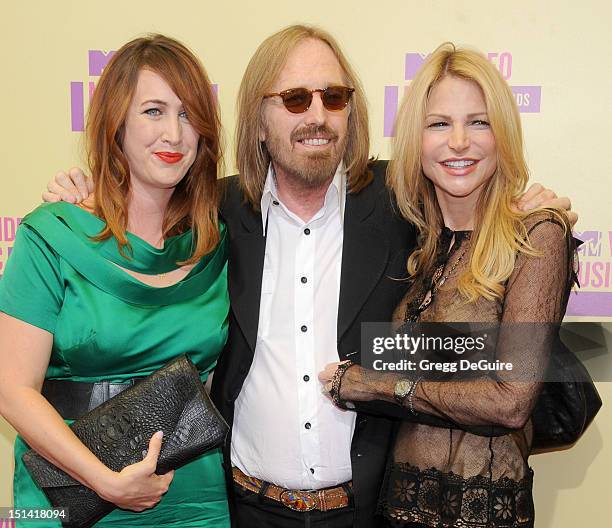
point(72, 186)
point(539, 196)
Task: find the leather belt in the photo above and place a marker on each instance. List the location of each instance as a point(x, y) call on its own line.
point(297, 500)
point(73, 399)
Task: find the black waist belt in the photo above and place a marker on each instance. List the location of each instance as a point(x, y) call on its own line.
point(73, 399)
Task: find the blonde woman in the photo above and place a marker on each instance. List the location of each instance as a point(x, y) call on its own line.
point(457, 169)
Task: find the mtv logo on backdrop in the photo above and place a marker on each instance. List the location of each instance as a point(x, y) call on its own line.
point(594, 298)
point(98, 60)
point(528, 98)
point(414, 61)
point(591, 246)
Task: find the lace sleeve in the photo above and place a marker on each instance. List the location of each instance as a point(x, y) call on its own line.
point(536, 293)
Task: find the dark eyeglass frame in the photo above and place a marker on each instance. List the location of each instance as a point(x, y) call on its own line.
point(308, 94)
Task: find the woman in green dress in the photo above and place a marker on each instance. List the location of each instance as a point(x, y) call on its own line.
point(115, 289)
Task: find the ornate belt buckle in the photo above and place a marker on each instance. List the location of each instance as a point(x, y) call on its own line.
point(298, 500)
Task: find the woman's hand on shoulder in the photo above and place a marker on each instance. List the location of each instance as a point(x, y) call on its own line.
point(72, 186)
point(137, 487)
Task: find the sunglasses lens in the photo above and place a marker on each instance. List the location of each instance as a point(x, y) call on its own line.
point(297, 100)
point(336, 97)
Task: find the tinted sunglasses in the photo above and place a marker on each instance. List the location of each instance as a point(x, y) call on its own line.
point(298, 100)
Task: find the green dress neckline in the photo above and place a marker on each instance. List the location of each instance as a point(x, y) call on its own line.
point(143, 257)
point(69, 229)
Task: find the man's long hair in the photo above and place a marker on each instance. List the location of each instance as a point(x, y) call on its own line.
point(252, 156)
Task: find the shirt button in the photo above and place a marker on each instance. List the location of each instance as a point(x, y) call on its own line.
point(312, 470)
point(307, 425)
point(306, 377)
point(307, 231)
point(304, 328)
point(304, 280)
point(275, 202)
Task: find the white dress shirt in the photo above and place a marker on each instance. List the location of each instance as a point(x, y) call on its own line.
point(285, 430)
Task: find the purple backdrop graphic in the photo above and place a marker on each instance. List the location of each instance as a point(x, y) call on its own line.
point(8, 228)
point(98, 59)
point(528, 98)
point(594, 274)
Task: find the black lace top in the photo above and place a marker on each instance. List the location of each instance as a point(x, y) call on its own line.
point(446, 475)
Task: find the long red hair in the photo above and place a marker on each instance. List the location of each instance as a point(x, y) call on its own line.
point(195, 200)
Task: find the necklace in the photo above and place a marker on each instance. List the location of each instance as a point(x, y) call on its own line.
point(437, 281)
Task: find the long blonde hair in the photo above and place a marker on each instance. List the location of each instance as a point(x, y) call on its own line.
point(499, 231)
point(252, 157)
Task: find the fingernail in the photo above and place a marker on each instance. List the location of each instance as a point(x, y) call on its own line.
point(159, 434)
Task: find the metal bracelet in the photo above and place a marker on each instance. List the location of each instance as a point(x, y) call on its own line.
point(410, 396)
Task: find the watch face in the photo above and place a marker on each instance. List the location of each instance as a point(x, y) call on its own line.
point(402, 388)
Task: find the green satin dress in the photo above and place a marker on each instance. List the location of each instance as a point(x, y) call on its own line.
point(106, 325)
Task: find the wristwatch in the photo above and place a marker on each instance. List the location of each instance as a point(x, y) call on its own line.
point(403, 388)
point(404, 391)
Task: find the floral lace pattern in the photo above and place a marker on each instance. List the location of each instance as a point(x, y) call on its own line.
point(442, 499)
point(443, 472)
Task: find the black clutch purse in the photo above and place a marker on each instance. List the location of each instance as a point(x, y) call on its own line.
point(172, 400)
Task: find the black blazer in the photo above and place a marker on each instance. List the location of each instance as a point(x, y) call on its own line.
point(375, 248)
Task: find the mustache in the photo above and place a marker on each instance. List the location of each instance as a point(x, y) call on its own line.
point(309, 131)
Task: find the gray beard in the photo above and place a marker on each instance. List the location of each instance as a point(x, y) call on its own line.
point(310, 171)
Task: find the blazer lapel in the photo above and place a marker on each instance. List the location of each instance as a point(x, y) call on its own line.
point(245, 270)
point(364, 256)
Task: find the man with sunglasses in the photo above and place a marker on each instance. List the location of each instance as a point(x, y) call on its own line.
point(315, 250)
point(312, 256)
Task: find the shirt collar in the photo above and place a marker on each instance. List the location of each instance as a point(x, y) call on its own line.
point(334, 197)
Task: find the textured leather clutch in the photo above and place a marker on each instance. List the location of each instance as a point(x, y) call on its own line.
point(172, 400)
